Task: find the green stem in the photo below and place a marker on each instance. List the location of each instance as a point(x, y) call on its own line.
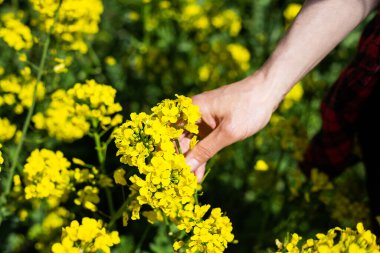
point(32, 65)
point(94, 57)
point(142, 239)
point(8, 183)
point(178, 146)
point(118, 214)
point(146, 14)
point(15, 5)
point(101, 149)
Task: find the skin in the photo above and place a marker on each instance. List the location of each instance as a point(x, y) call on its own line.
point(237, 111)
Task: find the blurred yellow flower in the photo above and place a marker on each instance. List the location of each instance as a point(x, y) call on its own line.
point(119, 178)
point(72, 113)
point(291, 11)
point(7, 130)
point(1, 157)
point(17, 91)
point(228, 20)
point(261, 165)
point(61, 65)
point(294, 95)
point(204, 72)
point(76, 20)
point(240, 55)
point(23, 57)
point(88, 197)
point(110, 60)
point(15, 33)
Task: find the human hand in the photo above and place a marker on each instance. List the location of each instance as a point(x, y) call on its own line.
point(229, 114)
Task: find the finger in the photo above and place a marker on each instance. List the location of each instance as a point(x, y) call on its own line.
point(184, 143)
point(208, 147)
point(200, 172)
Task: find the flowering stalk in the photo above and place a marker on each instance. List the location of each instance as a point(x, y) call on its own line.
point(15, 5)
point(142, 239)
point(119, 212)
point(164, 181)
point(101, 149)
point(41, 67)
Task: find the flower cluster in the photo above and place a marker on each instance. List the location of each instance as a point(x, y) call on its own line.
point(289, 132)
point(196, 16)
point(240, 55)
point(145, 136)
point(17, 91)
point(167, 186)
point(209, 235)
point(292, 11)
point(294, 96)
point(49, 228)
point(55, 219)
point(1, 157)
point(72, 113)
point(76, 19)
point(335, 240)
point(164, 182)
point(7, 130)
point(46, 175)
point(89, 236)
point(228, 20)
point(211, 27)
point(13, 31)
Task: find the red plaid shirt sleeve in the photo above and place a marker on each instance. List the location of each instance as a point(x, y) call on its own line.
point(331, 149)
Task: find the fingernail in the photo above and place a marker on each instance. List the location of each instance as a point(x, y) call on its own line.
point(199, 177)
point(193, 163)
point(200, 172)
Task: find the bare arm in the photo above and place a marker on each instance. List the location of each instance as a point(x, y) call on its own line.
point(236, 111)
point(318, 28)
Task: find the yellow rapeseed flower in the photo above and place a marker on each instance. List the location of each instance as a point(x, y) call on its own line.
point(165, 182)
point(1, 157)
point(76, 20)
point(292, 11)
point(89, 236)
point(212, 234)
point(240, 55)
point(46, 175)
point(88, 197)
point(15, 33)
point(72, 113)
point(7, 130)
point(228, 20)
point(294, 95)
point(109, 60)
point(55, 219)
point(119, 178)
point(17, 91)
point(335, 240)
point(261, 165)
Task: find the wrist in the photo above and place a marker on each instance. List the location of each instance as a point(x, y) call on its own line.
point(270, 90)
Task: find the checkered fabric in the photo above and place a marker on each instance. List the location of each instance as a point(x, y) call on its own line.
point(331, 149)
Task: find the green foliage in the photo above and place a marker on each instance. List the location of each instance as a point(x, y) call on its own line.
point(151, 50)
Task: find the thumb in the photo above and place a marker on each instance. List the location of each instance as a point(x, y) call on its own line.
point(207, 148)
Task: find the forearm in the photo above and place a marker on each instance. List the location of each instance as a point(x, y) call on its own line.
point(319, 27)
